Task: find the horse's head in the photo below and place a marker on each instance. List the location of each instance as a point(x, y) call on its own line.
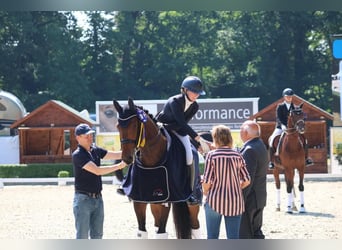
point(130, 126)
point(297, 119)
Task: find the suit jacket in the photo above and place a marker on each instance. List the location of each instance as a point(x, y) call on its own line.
point(256, 157)
point(282, 114)
point(174, 118)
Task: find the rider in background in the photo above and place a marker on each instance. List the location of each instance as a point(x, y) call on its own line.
point(282, 113)
point(179, 110)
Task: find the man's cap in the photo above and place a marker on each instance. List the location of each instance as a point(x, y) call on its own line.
point(83, 129)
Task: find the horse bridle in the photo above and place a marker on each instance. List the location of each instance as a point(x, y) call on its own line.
point(296, 125)
point(139, 141)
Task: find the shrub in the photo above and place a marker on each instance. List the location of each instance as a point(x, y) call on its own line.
point(40, 170)
point(63, 173)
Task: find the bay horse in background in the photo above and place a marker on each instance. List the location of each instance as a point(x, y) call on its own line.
point(144, 142)
point(291, 156)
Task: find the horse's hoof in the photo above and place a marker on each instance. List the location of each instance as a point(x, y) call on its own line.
point(289, 210)
point(294, 209)
point(161, 236)
point(277, 209)
point(142, 234)
point(302, 210)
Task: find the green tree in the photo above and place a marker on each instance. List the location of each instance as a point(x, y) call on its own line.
point(42, 57)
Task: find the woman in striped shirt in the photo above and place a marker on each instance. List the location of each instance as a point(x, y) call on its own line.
point(225, 175)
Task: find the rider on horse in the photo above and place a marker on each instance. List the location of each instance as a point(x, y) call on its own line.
point(178, 111)
point(282, 113)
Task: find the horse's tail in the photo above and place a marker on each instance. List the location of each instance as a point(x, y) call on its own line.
point(181, 218)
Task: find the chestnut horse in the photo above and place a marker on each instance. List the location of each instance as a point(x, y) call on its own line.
point(143, 141)
point(291, 156)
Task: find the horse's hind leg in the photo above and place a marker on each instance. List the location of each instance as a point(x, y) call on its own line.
point(195, 224)
point(301, 190)
point(140, 212)
point(294, 207)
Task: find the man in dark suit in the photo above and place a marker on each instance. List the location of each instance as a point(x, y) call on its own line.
point(256, 157)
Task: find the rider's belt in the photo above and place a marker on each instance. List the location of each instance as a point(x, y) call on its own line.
point(92, 195)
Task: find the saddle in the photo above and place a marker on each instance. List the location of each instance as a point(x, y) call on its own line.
point(277, 149)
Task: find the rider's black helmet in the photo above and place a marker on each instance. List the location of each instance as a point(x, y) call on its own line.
point(288, 92)
point(194, 84)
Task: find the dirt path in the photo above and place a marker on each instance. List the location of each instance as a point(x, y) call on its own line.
point(45, 212)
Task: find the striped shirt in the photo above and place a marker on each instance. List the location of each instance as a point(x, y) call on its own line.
point(225, 169)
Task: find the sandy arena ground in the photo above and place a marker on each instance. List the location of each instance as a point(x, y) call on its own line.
point(45, 212)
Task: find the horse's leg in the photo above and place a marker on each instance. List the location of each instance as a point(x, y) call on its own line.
point(156, 212)
point(161, 214)
point(277, 184)
point(294, 207)
point(195, 224)
point(276, 171)
point(140, 212)
point(301, 190)
point(289, 175)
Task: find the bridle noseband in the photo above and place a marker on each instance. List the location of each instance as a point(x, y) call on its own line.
point(299, 124)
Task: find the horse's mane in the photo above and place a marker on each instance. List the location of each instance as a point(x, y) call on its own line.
point(131, 109)
point(147, 113)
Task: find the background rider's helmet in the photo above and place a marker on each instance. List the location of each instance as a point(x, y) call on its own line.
point(194, 84)
point(288, 92)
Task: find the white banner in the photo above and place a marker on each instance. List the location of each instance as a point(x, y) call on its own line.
point(9, 149)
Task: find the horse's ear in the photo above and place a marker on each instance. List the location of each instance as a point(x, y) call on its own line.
point(301, 105)
point(131, 103)
point(117, 106)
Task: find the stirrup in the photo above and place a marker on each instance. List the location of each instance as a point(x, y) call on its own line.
point(271, 165)
point(308, 162)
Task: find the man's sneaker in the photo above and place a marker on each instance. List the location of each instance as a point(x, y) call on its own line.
point(271, 165)
point(308, 162)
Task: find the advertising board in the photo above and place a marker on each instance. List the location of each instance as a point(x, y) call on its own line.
point(228, 111)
